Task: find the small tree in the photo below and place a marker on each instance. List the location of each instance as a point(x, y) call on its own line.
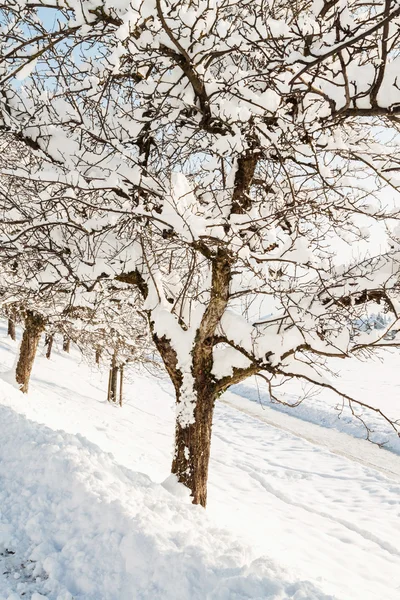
point(37, 280)
point(11, 312)
point(116, 329)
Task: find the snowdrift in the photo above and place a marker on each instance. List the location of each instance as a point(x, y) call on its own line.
point(75, 525)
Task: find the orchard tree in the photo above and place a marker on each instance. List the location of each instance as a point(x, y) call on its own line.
point(11, 314)
point(226, 158)
point(113, 330)
point(36, 282)
point(37, 312)
point(49, 254)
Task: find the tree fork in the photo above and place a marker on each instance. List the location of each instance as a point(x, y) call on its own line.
point(34, 327)
point(193, 442)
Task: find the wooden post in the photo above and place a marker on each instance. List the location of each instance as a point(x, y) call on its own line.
point(66, 344)
point(49, 344)
point(109, 386)
point(121, 375)
point(98, 355)
point(113, 380)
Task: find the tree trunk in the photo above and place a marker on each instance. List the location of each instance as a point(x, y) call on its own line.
point(98, 355)
point(192, 446)
point(34, 326)
point(193, 439)
point(11, 329)
point(49, 344)
point(66, 344)
point(113, 381)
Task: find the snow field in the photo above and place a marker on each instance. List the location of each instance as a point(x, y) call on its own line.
point(80, 526)
point(286, 518)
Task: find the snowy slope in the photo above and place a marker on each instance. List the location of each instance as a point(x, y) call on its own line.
point(303, 522)
point(74, 524)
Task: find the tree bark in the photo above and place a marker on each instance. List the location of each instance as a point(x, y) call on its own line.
point(66, 344)
point(11, 329)
point(34, 326)
point(193, 441)
point(49, 344)
point(192, 447)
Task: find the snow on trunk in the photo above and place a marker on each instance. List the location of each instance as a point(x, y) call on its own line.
point(193, 442)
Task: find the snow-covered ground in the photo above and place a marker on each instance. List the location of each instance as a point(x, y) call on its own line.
point(295, 511)
point(375, 382)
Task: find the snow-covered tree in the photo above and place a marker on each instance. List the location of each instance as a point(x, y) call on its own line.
point(112, 331)
point(221, 156)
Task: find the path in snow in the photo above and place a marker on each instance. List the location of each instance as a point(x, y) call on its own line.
point(355, 449)
point(307, 507)
point(372, 381)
